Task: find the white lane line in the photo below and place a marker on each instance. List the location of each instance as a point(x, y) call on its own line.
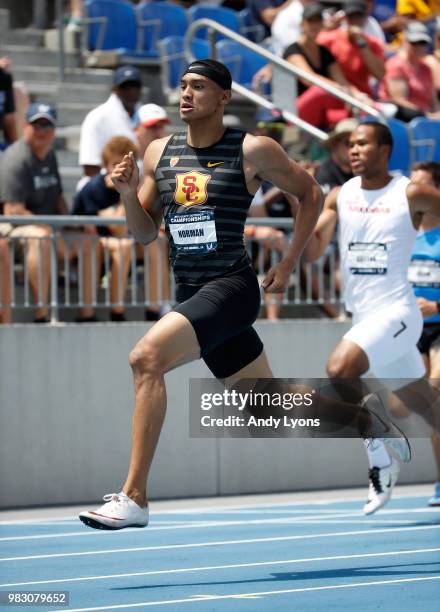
point(222, 567)
point(224, 509)
point(211, 524)
point(87, 533)
point(118, 551)
point(202, 598)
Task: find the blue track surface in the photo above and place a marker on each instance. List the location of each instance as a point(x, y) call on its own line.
point(295, 556)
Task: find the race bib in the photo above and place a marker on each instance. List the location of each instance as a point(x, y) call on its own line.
point(424, 273)
point(367, 258)
point(193, 232)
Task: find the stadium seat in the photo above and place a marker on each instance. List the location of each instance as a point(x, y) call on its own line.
point(224, 16)
point(252, 31)
point(425, 139)
point(401, 155)
point(173, 59)
point(112, 26)
point(159, 20)
point(242, 62)
point(383, 9)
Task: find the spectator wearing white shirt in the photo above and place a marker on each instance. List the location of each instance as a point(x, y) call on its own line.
point(286, 27)
point(113, 118)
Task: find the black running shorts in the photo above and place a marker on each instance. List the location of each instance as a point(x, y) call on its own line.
point(429, 337)
point(222, 313)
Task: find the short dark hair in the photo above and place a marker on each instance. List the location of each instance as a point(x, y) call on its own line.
point(429, 166)
point(383, 133)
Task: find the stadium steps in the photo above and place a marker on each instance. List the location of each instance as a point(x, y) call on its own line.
point(31, 55)
point(49, 74)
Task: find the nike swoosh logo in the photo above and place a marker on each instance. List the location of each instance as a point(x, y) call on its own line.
point(402, 329)
point(211, 164)
point(113, 518)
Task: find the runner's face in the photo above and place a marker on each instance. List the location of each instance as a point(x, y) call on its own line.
point(366, 156)
point(200, 97)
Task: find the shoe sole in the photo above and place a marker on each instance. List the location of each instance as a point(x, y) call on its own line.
point(97, 525)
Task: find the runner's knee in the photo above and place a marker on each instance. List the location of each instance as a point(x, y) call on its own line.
point(145, 359)
point(339, 366)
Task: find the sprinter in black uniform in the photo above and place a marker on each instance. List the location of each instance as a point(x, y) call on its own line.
point(201, 183)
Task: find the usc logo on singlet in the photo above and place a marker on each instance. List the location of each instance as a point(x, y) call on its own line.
point(191, 188)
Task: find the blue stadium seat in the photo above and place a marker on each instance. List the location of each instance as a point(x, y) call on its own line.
point(242, 62)
point(224, 16)
point(173, 59)
point(112, 26)
point(383, 9)
point(159, 20)
point(401, 155)
point(252, 31)
point(425, 139)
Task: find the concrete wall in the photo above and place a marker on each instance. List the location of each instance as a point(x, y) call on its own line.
point(65, 410)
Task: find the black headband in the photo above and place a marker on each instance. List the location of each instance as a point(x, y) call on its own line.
point(213, 70)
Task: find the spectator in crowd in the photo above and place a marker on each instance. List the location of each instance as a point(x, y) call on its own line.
point(408, 81)
point(418, 10)
point(336, 170)
point(21, 97)
point(99, 197)
point(314, 104)
point(433, 60)
point(359, 55)
point(286, 27)
point(150, 120)
point(7, 107)
point(5, 282)
point(335, 18)
point(113, 118)
point(30, 185)
point(424, 275)
point(151, 123)
point(263, 12)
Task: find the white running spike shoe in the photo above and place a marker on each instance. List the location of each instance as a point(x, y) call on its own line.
point(382, 481)
point(120, 511)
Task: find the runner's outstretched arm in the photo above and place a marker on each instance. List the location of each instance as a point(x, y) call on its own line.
point(325, 228)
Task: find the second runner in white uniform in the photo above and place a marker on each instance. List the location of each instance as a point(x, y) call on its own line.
point(376, 237)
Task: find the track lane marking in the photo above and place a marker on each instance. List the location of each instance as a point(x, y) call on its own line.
point(212, 524)
point(224, 567)
point(204, 598)
point(118, 551)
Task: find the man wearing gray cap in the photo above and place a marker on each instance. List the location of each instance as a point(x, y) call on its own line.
point(408, 81)
point(30, 184)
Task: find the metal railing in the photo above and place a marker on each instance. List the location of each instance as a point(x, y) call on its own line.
point(283, 65)
point(63, 267)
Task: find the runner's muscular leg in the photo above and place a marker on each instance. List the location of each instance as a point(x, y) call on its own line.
point(347, 360)
point(170, 342)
